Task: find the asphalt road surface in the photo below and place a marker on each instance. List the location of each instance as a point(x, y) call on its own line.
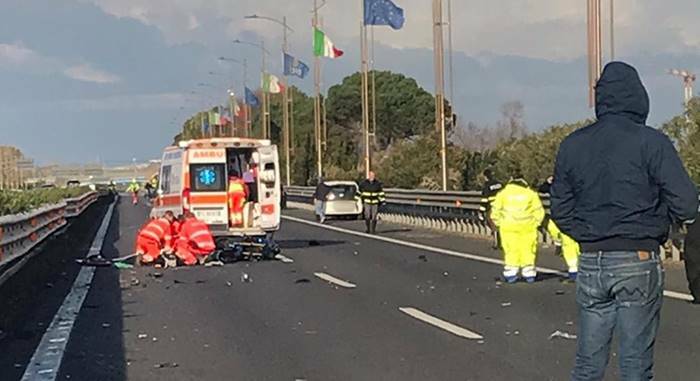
point(337, 306)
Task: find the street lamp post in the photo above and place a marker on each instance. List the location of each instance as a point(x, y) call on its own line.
point(265, 100)
point(286, 122)
point(438, 50)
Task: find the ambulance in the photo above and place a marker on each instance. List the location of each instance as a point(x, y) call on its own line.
point(194, 177)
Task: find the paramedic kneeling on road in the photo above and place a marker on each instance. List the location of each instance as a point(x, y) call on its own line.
point(518, 212)
point(195, 241)
point(155, 237)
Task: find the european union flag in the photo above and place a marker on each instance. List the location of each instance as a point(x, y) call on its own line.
point(383, 12)
point(293, 66)
point(251, 99)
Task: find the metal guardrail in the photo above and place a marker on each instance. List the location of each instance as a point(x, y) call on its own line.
point(454, 212)
point(20, 233)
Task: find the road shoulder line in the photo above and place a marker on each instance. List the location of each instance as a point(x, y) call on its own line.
point(46, 361)
point(473, 257)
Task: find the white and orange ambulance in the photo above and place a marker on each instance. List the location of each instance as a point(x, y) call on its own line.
point(194, 177)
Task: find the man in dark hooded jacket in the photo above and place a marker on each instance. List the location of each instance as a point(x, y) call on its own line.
point(617, 187)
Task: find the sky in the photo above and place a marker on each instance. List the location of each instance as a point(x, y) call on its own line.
point(112, 80)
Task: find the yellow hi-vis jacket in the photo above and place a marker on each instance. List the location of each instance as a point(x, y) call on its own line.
point(517, 208)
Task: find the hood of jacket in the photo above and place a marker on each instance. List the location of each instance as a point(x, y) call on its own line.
point(620, 92)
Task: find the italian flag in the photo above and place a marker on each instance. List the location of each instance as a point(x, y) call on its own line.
point(323, 46)
point(271, 84)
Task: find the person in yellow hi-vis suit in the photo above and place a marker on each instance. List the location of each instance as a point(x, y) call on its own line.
point(517, 212)
point(570, 249)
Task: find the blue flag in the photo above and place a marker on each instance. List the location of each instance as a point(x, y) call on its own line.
point(383, 12)
point(251, 99)
point(293, 66)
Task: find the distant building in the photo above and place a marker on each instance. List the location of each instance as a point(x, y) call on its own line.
point(14, 168)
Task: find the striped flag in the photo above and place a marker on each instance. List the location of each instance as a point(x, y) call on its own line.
point(323, 46)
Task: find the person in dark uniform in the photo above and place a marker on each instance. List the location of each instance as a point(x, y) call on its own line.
point(491, 188)
point(691, 255)
point(372, 195)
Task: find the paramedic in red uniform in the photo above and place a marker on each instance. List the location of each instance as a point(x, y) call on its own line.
point(155, 237)
point(195, 240)
point(237, 194)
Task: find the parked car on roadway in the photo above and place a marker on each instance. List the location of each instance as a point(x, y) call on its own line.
point(342, 200)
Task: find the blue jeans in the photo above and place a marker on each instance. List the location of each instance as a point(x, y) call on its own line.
point(320, 207)
point(622, 290)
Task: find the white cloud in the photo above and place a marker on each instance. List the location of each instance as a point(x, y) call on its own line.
point(86, 73)
point(551, 29)
point(16, 54)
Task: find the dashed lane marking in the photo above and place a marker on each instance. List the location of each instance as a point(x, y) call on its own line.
point(283, 258)
point(334, 280)
point(472, 257)
point(442, 324)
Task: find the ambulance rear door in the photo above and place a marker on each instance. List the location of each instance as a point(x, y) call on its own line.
point(269, 188)
point(206, 195)
point(169, 192)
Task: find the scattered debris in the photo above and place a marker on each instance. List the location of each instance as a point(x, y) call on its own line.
point(507, 333)
point(355, 253)
point(506, 304)
point(49, 285)
point(155, 274)
point(560, 292)
point(311, 332)
point(142, 336)
point(313, 242)
point(18, 366)
point(245, 278)
point(200, 282)
point(302, 280)
point(480, 342)
point(175, 281)
point(135, 282)
point(229, 283)
point(154, 339)
point(423, 258)
point(123, 265)
point(106, 325)
point(445, 273)
point(569, 323)
point(166, 365)
point(563, 335)
point(516, 333)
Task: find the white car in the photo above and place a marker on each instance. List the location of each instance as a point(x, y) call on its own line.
point(343, 199)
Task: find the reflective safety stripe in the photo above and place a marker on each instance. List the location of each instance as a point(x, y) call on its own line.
point(150, 234)
point(199, 234)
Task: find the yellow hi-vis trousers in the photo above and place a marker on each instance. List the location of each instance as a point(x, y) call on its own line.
point(570, 249)
point(520, 249)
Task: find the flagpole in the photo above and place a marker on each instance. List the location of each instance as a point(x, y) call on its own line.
point(246, 118)
point(317, 105)
point(438, 50)
point(365, 91)
point(285, 107)
point(374, 92)
point(264, 98)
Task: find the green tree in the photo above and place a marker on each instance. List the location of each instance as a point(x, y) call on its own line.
point(534, 154)
point(685, 133)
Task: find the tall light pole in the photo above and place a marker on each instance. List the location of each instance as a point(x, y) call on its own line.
point(365, 94)
point(612, 30)
point(265, 101)
point(438, 50)
point(595, 49)
point(285, 96)
point(244, 64)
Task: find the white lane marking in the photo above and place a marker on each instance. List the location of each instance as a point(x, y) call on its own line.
point(284, 259)
point(473, 257)
point(49, 353)
point(444, 325)
point(334, 280)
